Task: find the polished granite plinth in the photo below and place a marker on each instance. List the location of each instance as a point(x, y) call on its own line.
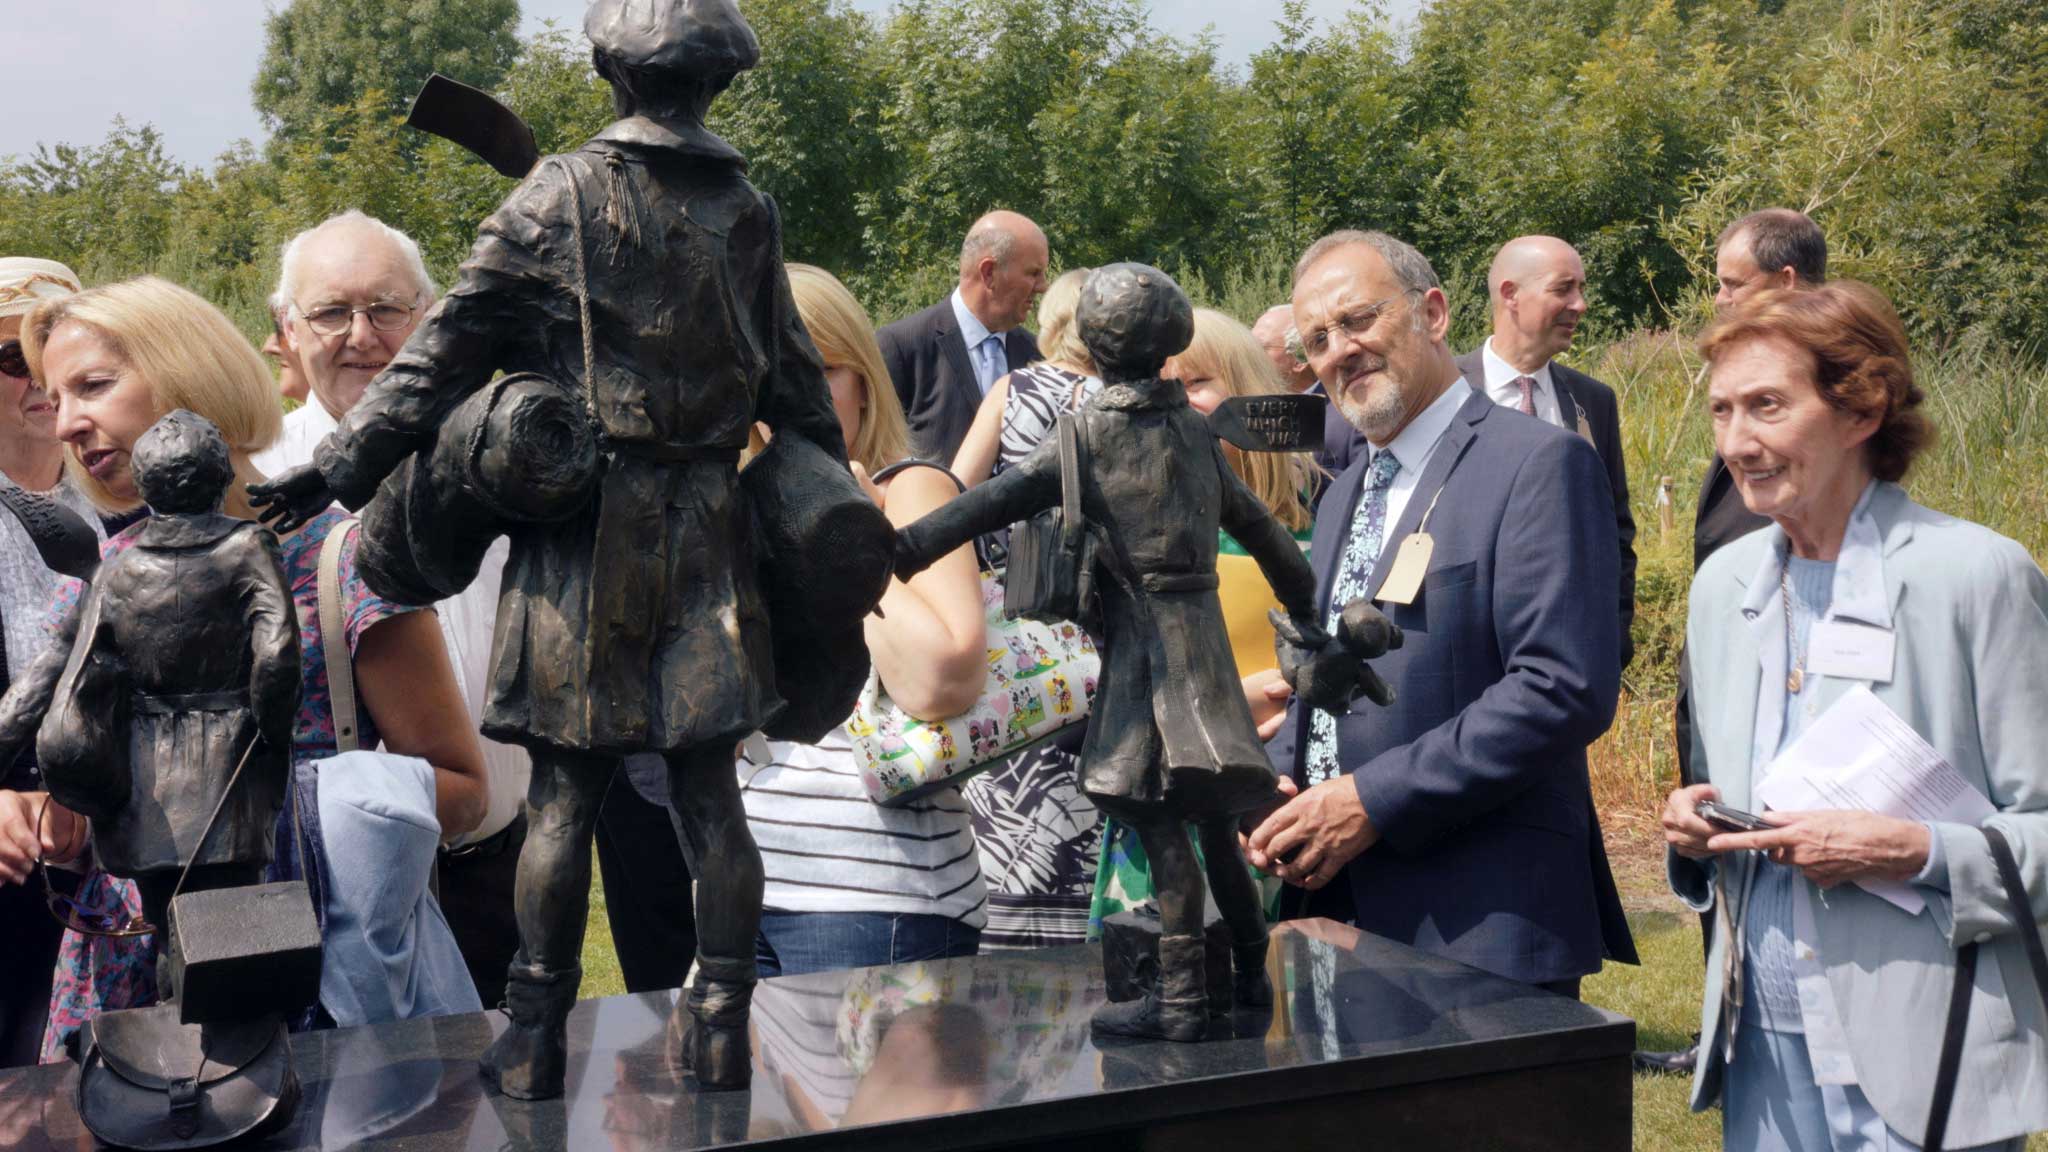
point(1370, 1044)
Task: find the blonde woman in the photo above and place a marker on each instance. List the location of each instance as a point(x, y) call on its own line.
point(851, 884)
point(116, 358)
point(1040, 837)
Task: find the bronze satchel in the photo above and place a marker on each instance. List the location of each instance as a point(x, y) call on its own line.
point(1051, 573)
point(824, 552)
point(148, 1082)
point(82, 744)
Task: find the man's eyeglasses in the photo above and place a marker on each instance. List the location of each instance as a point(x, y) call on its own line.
point(335, 319)
point(84, 920)
point(1354, 323)
point(12, 361)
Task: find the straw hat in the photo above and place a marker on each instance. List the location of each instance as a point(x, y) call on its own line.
point(26, 282)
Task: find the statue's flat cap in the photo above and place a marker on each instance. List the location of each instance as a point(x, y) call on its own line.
point(694, 37)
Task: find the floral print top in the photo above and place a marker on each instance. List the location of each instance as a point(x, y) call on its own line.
point(97, 974)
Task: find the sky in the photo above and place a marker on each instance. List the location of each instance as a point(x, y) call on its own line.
point(186, 65)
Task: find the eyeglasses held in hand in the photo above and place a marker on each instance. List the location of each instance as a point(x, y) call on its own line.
point(12, 361)
point(72, 914)
point(335, 319)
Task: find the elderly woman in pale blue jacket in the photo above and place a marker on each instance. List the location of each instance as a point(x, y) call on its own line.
point(1825, 1005)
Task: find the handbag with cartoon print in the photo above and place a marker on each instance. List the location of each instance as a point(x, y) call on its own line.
point(1040, 681)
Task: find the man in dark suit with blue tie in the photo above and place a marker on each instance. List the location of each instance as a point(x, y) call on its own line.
point(944, 359)
point(1459, 819)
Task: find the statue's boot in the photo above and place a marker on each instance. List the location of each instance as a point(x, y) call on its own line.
point(528, 1061)
point(715, 1048)
point(1176, 1010)
point(1249, 984)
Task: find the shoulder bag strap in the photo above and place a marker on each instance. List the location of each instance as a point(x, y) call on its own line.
point(1950, 1063)
point(341, 673)
point(582, 287)
point(2022, 908)
point(901, 466)
point(1070, 472)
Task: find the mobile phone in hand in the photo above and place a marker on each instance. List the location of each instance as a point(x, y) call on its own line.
point(1730, 819)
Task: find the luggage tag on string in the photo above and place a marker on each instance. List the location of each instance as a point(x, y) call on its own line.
point(1411, 562)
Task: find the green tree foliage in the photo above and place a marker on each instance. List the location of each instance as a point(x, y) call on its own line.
point(1916, 134)
point(323, 54)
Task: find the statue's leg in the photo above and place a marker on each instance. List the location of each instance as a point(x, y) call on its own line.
point(1237, 897)
point(551, 902)
point(705, 792)
point(1178, 1008)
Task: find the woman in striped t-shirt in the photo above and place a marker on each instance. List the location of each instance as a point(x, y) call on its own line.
point(850, 883)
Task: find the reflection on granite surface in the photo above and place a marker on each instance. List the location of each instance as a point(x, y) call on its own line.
point(908, 1043)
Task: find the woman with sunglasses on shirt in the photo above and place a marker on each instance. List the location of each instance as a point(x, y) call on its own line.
point(31, 460)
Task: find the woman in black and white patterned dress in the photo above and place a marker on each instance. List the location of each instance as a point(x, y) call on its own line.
point(1039, 837)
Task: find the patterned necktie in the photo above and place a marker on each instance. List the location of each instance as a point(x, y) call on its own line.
point(1354, 578)
point(1528, 386)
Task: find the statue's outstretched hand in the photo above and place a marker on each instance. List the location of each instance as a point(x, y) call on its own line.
point(911, 554)
point(1324, 670)
point(291, 498)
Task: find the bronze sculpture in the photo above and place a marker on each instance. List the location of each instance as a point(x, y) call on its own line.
point(642, 274)
point(1172, 739)
point(191, 637)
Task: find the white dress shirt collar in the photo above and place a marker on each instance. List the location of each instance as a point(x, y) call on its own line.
point(1413, 445)
point(1416, 443)
point(1500, 385)
point(972, 330)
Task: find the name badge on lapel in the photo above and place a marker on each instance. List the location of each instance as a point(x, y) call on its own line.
point(1411, 562)
point(1850, 651)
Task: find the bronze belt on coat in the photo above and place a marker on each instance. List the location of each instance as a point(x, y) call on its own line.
point(1177, 581)
point(169, 705)
point(672, 453)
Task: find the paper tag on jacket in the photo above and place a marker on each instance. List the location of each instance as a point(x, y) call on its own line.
point(1850, 651)
point(1404, 580)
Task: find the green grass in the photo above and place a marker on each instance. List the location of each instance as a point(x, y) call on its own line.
point(601, 976)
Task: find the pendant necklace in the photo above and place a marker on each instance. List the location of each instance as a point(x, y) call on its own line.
point(1796, 678)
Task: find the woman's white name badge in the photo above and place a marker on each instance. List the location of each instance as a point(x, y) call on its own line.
point(1850, 651)
point(1411, 563)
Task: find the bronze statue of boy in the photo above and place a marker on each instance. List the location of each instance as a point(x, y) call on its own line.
point(1171, 740)
point(645, 273)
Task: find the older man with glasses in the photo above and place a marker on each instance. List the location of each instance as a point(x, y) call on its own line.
point(350, 292)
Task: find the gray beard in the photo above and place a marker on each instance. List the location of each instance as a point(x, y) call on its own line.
point(1378, 415)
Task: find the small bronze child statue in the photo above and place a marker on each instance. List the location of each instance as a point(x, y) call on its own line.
point(1172, 739)
point(640, 275)
point(191, 635)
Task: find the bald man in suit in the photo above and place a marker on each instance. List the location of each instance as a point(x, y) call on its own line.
point(1537, 287)
point(944, 359)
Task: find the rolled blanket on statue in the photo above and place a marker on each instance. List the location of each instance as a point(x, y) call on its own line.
point(521, 450)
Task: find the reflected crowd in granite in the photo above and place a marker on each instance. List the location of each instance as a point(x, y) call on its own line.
point(836, 1051)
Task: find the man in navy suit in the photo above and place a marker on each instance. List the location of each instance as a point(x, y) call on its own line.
point(1459, 819)
point(944, 359)
point(1537, 288)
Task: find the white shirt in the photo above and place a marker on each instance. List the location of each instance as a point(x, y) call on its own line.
point(991, 361)
point(467, 619)
point(304, 428)
point(1500, 386)
point(1416, 444)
